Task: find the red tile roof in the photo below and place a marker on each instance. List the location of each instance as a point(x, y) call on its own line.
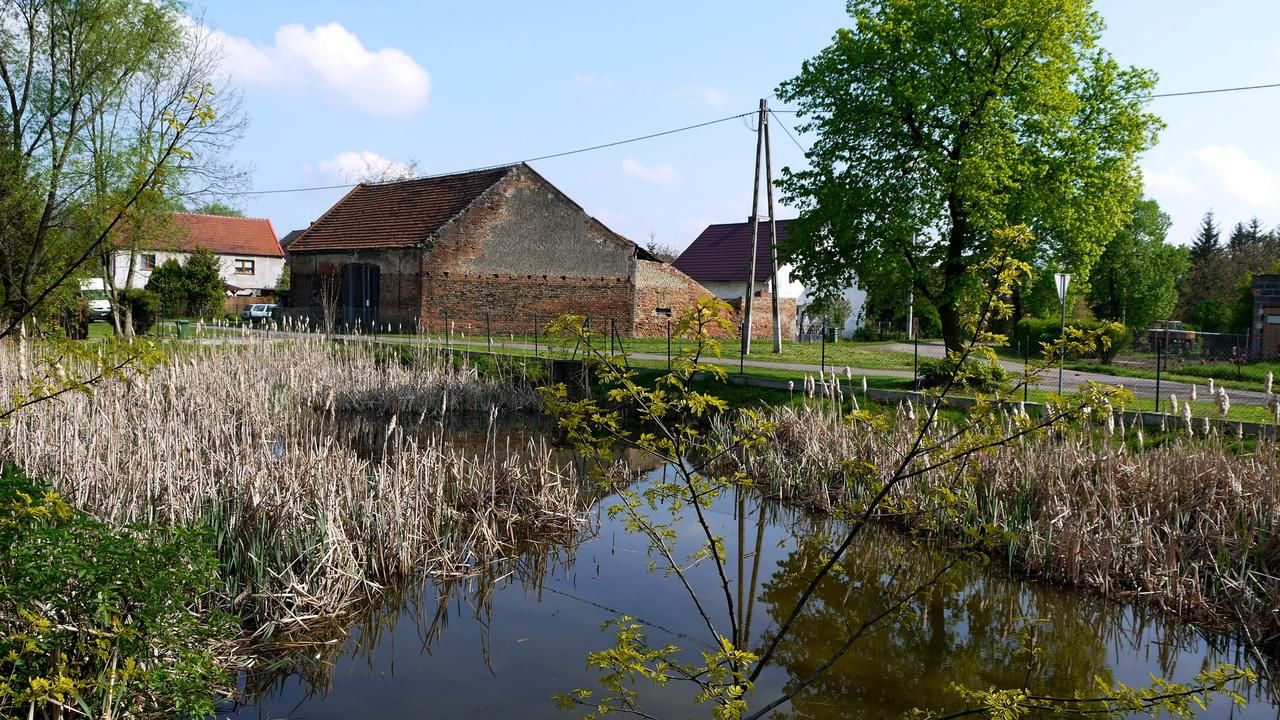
point(226, 235)
point(722, 253)
point(397, 214)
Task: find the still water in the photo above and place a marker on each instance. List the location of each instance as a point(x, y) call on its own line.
point(500, 646)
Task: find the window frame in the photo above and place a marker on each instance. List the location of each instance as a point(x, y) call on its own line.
point(244, 266)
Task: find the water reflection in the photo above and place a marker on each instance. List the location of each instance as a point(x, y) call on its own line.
point(500, 643)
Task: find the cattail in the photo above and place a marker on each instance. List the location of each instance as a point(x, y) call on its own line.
point(1273, 404)
point(1193, 393)
point(1186, 418)
point(1140, 444)
point(911, 411)
point(1211, 386)
point(1270, 378)
point(1173, 403)
point(1205, 427)
point(848, 373)
point(1224, 402)
point(791, 387)
point(864, 385)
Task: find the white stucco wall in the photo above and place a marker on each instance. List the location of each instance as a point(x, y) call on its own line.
point(266, 270)
point(857, 298)
point(788, 287)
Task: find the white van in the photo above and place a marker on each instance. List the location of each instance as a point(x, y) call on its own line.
point(94, 291)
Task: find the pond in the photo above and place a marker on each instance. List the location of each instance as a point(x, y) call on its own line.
point(501, 646)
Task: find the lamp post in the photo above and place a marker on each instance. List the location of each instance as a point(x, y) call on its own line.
point(1063, 281)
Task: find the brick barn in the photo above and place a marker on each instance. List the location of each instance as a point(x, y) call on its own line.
point(500, 249)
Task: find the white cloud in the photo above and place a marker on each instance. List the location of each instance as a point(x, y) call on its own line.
point(352, 166)
point(712, 96)
point(330, 59)
point(1167, 182)
point(660, 174)
point(1240, 174)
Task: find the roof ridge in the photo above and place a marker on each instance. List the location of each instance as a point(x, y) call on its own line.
point(226, 217)
point(417, 178)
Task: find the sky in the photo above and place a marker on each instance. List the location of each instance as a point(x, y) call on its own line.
point(335, 91)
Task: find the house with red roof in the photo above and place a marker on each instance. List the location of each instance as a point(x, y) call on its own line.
point(247, 250)
point(497, 250)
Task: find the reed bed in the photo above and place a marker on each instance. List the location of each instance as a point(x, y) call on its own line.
point(323, 473)
point(1189, 525)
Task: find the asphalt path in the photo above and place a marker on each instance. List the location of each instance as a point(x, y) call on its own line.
point(1072, 380)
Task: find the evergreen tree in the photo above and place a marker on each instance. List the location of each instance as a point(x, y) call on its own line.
point(204, 284)
point(1206, 244)
point(1239, 239)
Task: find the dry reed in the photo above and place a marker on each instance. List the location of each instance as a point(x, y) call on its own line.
point(1189, 525)
point(313, 508)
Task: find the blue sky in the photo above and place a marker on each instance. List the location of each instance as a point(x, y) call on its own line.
point(335, 88)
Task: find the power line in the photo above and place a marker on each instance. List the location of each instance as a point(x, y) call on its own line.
point(565, 153)
point(1184, 93)
point(788, 132)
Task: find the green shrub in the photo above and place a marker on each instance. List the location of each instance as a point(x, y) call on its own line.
point(975, 374)
point(108, 622)
point(1037, 331)
point(143, 306)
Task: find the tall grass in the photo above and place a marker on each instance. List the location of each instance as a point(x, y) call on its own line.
point(324, 473)
point(1190, 525)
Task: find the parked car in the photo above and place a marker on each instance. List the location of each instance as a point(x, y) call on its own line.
point(258, 312)
point(94, 293)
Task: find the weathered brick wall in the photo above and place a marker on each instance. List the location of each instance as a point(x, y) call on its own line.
point(473, 302)
point(662, 294)
point(762, 316)
point(399, 285)
point(523, 253)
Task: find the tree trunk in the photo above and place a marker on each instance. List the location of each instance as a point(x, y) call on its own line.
point(951, 331)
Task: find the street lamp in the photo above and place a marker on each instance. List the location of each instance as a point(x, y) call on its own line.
point(1063, 281)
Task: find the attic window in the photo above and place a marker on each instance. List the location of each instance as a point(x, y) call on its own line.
point(662, 312)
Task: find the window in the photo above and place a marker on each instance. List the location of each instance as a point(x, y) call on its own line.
point(148, 261)
point(662, 312)
point(244, 267)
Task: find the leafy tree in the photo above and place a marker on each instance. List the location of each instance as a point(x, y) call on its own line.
point(1136, 279)
point(832, 309)
point(1212, 315)
point(205, 289)
point(169, 283)
point(107, 106)
point(217, 208)
point(939, 121)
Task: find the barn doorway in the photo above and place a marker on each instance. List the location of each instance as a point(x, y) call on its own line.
point(359, 294)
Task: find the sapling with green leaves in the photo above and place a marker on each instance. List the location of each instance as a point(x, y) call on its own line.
point(669, 419)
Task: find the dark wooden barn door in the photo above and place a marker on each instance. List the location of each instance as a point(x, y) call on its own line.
point(359, 296)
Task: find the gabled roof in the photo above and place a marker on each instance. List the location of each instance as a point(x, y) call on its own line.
point(396, 214)
point(224, 235)
point(722, 253)
point(289, 237)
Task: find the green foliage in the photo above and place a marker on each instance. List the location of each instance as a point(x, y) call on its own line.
point(169, 283)
point(142, 306)
point(204, 286)
point(1212, 315)
point(1038, 333)
point(938, 122)
point(193, 289)
point(976, 374)
point(833, 310)
point(101, 621)
point(217, 208)
point(1137, 277)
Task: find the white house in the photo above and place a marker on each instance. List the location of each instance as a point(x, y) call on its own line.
point(247, 250)
point(720, 260)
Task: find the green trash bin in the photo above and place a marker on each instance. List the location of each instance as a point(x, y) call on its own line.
point(184, 329)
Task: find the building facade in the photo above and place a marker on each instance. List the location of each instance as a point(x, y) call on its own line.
point(500, 250)
point(247, 249)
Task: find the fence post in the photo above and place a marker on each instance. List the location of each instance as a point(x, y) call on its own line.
point(824, 347)
point(1159, 362)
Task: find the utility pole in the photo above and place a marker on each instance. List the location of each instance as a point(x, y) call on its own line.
point(755, 234)
point(773, 226)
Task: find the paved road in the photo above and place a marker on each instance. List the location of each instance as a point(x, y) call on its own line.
point(1071, 379)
